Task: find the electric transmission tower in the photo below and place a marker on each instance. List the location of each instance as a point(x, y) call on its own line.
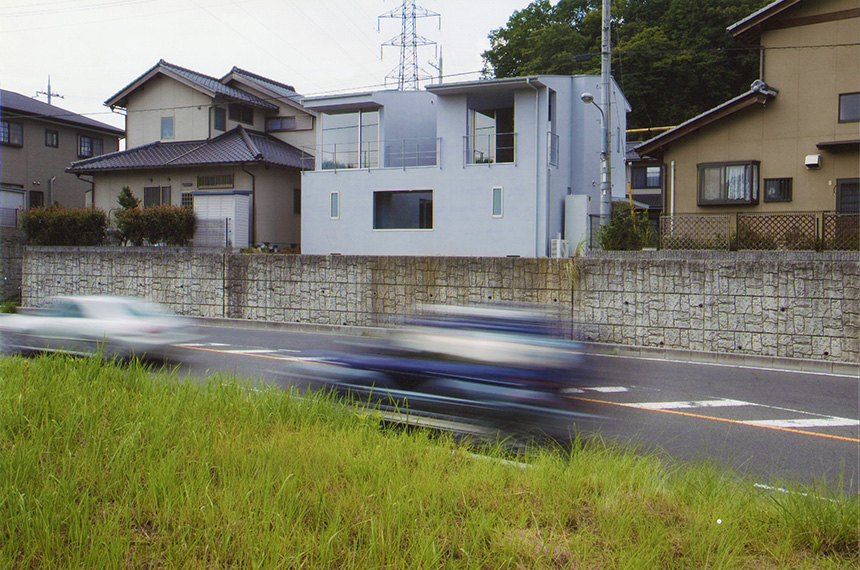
point(407, 74)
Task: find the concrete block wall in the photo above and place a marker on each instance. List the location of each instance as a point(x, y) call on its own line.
point(792, 304)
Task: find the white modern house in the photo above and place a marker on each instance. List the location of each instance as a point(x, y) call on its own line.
point(506, 167)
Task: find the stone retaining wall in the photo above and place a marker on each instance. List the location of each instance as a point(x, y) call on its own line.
point(792, 304)
point(12, 242)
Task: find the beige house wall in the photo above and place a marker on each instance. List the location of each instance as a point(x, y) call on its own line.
point(166, 97)
point(299, 139)
point(788, 128)
point(273, 188)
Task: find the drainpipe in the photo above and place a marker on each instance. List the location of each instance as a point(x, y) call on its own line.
point(51, 189)
point(92, 184)
point(253, 205)
point(672, 188)
point(537, 162)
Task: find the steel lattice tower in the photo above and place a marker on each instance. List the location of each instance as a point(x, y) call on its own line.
point(408, 73)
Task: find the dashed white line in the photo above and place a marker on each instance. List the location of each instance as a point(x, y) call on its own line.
point(601, 389)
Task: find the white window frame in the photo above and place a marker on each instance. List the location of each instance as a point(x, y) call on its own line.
point(501, 194)
point(334, 206)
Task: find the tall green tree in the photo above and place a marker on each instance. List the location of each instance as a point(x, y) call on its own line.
point(673, 59)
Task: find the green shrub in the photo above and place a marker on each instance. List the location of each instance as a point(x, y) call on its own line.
point(56, 225)
point(626, 231)
point(169, 225)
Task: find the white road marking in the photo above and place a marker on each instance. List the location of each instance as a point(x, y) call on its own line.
point(258, 350)
point(831, 421)
point(721, 403)
point(601, 389)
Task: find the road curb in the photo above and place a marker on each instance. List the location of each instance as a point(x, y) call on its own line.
point(726, 359)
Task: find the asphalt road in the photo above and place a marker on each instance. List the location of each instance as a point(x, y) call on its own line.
point(774, 426)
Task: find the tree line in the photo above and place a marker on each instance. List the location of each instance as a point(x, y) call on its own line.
point(673, 59)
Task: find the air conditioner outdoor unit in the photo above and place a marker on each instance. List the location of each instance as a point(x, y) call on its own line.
point(558, 248)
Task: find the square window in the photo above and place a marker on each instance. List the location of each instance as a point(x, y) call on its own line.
point(167, 127)
point(52, 138)
point(85, 146)
point(646, 176)
point(242, 114)
point(187, 200)
point(497, 202)
point(777, 189)
point(403, 210)
point(37, 198)
point(849, 107)
point(334, 206)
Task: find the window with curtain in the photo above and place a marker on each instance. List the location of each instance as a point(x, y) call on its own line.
point(728, 183)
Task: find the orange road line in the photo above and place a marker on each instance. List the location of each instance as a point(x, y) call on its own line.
point(727, 420)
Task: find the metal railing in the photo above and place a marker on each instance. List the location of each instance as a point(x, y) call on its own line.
point(213, 233)
point(400, 153)
point(490, 149)
point(9, 217)
point(761, 231)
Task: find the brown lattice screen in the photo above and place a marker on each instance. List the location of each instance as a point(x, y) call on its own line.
point(695, 231)
point(841, 231)
point(777, 231)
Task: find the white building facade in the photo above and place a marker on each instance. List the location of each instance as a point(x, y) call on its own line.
point(464, 169)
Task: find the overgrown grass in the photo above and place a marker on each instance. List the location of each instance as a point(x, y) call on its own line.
point(114, 467)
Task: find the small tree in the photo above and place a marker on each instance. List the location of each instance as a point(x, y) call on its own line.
point(127, 200)
point(626, 231)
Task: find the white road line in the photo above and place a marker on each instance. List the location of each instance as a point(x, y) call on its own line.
point(805, 423)
point(601, 389)
point(721, 403)
point(257, 350)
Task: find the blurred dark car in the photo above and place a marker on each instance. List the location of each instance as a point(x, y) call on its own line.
point(118, 327)
point(504, 365)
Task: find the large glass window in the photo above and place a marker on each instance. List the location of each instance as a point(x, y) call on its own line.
point(409, 210)
point(728, 183)
point(491, 136)
point(350, 140)
point(849, 107)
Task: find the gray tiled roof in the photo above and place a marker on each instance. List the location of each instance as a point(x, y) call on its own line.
point(16, 104)
point(205, 82)
point(233, 147)
point(282, 89)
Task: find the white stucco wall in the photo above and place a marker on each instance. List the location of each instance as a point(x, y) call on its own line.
point(533, 191)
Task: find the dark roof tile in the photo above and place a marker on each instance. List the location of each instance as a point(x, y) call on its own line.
point(15, 103)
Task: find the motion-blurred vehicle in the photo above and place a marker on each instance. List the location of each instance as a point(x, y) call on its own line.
point(507, 366)
point(116, 327)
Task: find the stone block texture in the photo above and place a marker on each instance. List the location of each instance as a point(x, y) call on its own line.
point(781, 304)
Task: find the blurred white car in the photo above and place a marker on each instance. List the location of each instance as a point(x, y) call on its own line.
point(119, 327)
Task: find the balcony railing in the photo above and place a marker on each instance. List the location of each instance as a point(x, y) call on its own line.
point(402, 153)
point(490, 149)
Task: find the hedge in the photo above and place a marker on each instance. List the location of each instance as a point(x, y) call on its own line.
point(56, 225)
point(169, 225)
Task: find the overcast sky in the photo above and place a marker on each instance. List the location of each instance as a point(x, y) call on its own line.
point(94, 48)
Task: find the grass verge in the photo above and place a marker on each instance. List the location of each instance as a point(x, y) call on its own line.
point(113, 467)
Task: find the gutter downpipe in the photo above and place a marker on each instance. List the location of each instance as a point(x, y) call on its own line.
point(672, 188)
point(537, 162)
point(253, 205)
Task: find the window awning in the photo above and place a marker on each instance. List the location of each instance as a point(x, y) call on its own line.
point(840, 146)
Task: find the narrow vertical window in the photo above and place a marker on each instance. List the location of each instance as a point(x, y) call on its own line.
point(334, 214)
point(52, 138)
point(497, 202)
point(220, 119)
point(167, 127)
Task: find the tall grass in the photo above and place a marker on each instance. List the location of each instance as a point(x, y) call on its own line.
point(115, 467)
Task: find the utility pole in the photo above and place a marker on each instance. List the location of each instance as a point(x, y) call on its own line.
point(49, 93)
point(606, 98)
point(407, 73)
